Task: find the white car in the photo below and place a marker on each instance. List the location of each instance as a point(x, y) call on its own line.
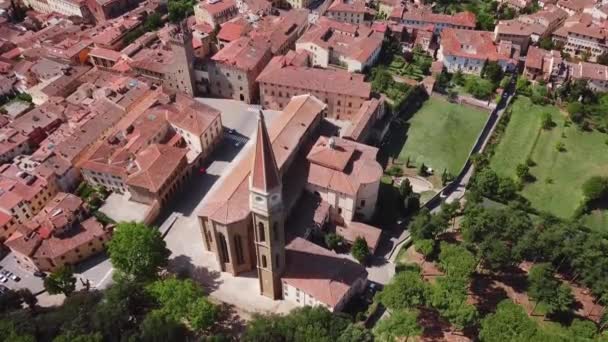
point(3, 279)
point(15, 277)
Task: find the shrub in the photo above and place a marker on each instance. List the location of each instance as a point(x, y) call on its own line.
point(360, 251)
point(394, 171)
point(332, 240)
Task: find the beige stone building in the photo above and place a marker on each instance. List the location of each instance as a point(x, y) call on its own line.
point(22, 195)
point(151, 158)
point(330, 42)
point(353, 12)
point(288, 76)
point(215, 12)
point(60, 234)
point(234, 69)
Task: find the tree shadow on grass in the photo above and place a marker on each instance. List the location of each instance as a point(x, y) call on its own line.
point(229, 322)
point(486, 293)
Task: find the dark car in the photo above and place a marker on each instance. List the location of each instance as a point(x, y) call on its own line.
point(40, 274)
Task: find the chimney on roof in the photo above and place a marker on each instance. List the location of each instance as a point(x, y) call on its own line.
point(332, 143)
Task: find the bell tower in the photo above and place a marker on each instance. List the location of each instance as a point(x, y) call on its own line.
point(266, 204)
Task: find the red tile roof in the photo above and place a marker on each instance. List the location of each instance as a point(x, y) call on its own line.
point(319, 272)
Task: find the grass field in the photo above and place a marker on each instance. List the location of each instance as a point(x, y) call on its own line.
point(559, 175)
point(440, 135)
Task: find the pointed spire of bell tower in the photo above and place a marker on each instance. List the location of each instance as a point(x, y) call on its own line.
point(265, 173)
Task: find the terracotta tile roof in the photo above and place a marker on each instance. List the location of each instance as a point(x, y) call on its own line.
point(191, 115)
point(105, 54)
point(281, 31)
point(358, 229)
point(264, 170)
point(576, 5)
point(352, 41)
point(233, 29)
point(362, 119)
point(589, 71)
point(158, 163)
point(279, 72)
point(215, 7)
point(362, 167)
point(319, 272)
point(466, 19)
point(472, 44)
point(354, 6)
point(229, 199)
point(244, 53)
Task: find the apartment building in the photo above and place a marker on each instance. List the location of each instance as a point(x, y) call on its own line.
point(12, 144)
point(423, 17)
point(352, 12)
point(22, 195)
point(281, 32)
point(111, 35)
point(543, 64)
point(527, 29)
point(596, 75)
point(147, 159)
point(233, 70)
point(68, 8)
point(468, 51)
point(580, 37)
point(575, 6)
point(59, 235)
point(215, 12)
point(344, 93)
point(330, 42)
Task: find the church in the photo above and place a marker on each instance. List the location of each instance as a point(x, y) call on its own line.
point(247, 221)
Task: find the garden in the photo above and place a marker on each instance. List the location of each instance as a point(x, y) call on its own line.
point(551, 157)
point(439, 135)
point(415, 68)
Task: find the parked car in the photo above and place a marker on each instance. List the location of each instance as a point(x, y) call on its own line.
point(3, 279)
point(40, 274)
point(15, 277)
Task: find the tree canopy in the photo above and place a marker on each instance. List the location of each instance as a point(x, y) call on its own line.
point(401, 323)
point(61, 280)
point(406, 290)
point(183, 300)
point(137, 250)
point(360, 251)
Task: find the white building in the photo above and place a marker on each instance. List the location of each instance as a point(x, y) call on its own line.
point(468, 51)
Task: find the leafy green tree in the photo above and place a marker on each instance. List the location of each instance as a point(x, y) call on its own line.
point(458, 78)
point(426, 247)
point(406, 290)
point(545, 288)
point(71, 336)
point(28, 298)
point(381, 80)
point(8, 332)
point(359, 250)
point(456, 261)
point(401, 323)
point(61, 280)
point(158, 326)
point(547, 121)
point(356, 333)
point(333, 240)
point(405, 188)
point(426, 225)
point(480, 88)
point(184, 300)
point(522, 171)
point(10, 300)
point(492, 71)
point(137, 250)
point(301, 324)
point(508, 323)
point(180, 10)
point(595, 188)
point(449, 296)
point(546, 43)
point(152, 22)
point(582, 328)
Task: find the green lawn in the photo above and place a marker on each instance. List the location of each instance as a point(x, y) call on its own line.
point(441, 135)
point(559, 175)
